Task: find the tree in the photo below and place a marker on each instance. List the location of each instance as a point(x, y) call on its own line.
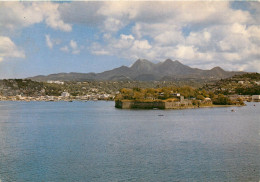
point(138, 96)
point(211, 95)
point(222, 100)
point(200, 97)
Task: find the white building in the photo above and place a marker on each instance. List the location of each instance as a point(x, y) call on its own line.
point(256, 98)
point(57, 82)
point(207, 99)
point(176, 94)
point(65, 94)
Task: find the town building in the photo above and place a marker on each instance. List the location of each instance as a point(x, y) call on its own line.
point(57, 82)
point(65, 94)
point(256, 98)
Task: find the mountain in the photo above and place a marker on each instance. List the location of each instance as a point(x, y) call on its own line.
point(169, 67)
point(142, 66)
point(144, 70)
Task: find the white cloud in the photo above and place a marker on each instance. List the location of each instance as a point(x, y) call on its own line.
point(113, 25)
point(51, 42)
point(141, 44)
point(127, 37)
point(74, 47)
point(48, 41)
point(53, 19)
point(205, 33)
point(64, 49)
point(16, 15)
point(73, 44)
point(185, 52)
point(71, 48)
point(100, 52)
point(252, 65)
point(254, 32)
point(9, 49)
point(200, 32)
point(169, 37)
point(126, 46)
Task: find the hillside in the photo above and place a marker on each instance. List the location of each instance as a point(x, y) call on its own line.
point(246, 84)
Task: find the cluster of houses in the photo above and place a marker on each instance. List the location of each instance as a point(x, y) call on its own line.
point(248, 98)
point(57, 82)
point(65, 96)
point(247, 82)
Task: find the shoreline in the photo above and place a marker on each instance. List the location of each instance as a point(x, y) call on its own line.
point(182, 108)
point(69, 100)
point(166, 105)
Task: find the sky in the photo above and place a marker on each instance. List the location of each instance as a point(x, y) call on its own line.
point(40, 38)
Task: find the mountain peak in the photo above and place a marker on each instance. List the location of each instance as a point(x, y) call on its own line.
point(168, 61)
point(139, 62)
point(176, 61)
point(217, 68)
point(142, 61)
point(142, 65)
point(171, 61)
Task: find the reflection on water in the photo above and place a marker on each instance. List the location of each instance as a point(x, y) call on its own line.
point(93, 141)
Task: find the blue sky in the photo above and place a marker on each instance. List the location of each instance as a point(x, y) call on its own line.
point(49, 37)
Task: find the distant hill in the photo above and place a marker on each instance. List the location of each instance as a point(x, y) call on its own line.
point(144, 70)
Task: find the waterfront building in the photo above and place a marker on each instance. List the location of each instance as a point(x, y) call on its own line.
point(256, 98)
point(65, 94)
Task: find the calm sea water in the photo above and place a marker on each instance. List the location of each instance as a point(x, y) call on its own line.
point(93, 141)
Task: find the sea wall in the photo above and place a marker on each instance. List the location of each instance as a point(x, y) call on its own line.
point(178, 105)
point(151, 105)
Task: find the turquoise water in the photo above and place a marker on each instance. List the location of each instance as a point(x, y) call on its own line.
point(93, 141)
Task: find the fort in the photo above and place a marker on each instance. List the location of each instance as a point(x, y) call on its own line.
point(132, 104)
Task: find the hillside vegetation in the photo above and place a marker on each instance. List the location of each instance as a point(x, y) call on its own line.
point(246, 84)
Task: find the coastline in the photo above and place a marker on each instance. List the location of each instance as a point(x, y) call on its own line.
point(53, 100)
point(165, 105)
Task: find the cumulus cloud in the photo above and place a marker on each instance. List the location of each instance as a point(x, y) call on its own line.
point(197, 33)
point(64, 49)
point(16, 15)
point(126, 46)
point(71, 48)
point(73, 44)
point(48, 41)
point(53, 19)
point(9, 49)
point(74, 47)
point(51, 42)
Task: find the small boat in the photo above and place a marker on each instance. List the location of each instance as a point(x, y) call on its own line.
point(160, 114)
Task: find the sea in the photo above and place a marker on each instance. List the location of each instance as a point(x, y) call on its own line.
point(94, 141)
